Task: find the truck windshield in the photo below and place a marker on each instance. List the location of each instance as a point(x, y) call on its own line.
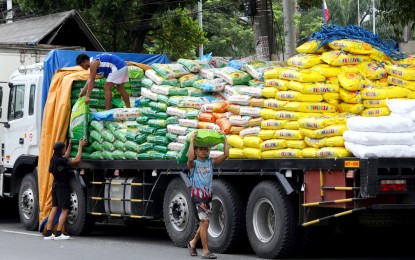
point(16, 102)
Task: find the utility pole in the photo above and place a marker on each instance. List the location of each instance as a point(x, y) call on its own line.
point(9, 16)
point(374, 16)
point(263, 30)
point(199, 18)
point(288, 9)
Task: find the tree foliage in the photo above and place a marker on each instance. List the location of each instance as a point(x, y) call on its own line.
point(398, 12)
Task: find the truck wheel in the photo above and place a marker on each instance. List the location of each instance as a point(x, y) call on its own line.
point(79, 222)
point(271, 221)
point(28, 202)
point(179, 213)
point(226, 225)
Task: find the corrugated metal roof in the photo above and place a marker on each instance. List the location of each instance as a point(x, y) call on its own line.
point(32, 31)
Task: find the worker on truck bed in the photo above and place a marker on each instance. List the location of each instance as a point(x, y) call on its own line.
point(110, 66)
point(201, 176)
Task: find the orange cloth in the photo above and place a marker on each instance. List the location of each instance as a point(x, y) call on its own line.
point(55, 125)
point(140, 65)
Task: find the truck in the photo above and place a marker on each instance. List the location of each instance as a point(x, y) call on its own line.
point(278, 207)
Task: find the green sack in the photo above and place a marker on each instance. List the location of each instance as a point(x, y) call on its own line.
point(120, 135)
point(163, 98)
point(161, 149)
point(135, 72)
point(96, 146)
point(96, 136)
point(79, 120)
point(144, 102)
point(118, 155)
point(158, 106)
point(143, 156)
point(107, 146)
point(119, 145)
point(147, 83)
point(182, 154)
point(172, 137)
point(158, 139)
point(172, 120)
point(108, 136)
point(157, 123)
point(97, 125)
point(142, 119)
point(96, 155)
point(161, 132)
point(154, 155)
point(144, 147)
point(107, 155)
point(147, 129)
point(208, 138)
point(131, 146)
point(118, 103)
point(171, 155)
point(130, 155)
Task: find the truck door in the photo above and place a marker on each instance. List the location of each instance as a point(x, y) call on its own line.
point(20, 134)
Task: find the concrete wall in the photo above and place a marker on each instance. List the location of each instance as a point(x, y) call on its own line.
point(407, 47)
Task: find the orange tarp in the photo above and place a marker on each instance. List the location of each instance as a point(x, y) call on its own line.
point(55, 126)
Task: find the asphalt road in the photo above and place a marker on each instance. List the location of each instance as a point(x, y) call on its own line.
point(152, 242)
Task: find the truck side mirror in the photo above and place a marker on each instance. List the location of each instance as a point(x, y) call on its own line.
point(6, 125)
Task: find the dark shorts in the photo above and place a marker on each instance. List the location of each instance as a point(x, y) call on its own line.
point(61, 198)
point(203, 210)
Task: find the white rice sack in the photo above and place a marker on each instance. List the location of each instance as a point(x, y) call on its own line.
point(215, 154)
point(170, 71)
point(384, 124)
point(380, 151)
point(174, 146)
point(410, 115)
point(250, 111)
point(176, 129)
point(252, 91)
point(151, 74)
point(250, 131)
point(239, 99)
point(182, 139)
point(236, 120)
point(148, 94)
point(127, 113)
point(188, 122)
point(376, 138)
point(232, 90)
point(208, 73)
point(401, 106)
point(161, 89)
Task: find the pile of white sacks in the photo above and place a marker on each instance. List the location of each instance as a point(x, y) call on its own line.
point(385, 136)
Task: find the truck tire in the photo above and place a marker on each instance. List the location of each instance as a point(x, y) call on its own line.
point(28, 202)
point(79, 222)
point(179, 213)
point(226, 225)
point(271, 221)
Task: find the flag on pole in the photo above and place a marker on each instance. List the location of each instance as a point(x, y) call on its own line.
point(325, 12)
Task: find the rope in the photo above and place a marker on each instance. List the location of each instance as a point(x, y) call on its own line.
point(333, 32)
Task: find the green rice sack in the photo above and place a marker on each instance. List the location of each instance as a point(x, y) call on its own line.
point(96, 155)
point(118, 155)
point(79, 120)
point(135, 72)
point(97, 125)
point(130, 155)
point(208, 138)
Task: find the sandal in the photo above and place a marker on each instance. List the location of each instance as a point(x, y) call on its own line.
point(192, 251)
point(209, 255)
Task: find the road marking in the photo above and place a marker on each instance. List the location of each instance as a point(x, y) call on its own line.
point(21, 233)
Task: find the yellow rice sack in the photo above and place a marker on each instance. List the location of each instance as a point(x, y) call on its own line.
point(384, 92)
point(288, 115)
point(350, 81)
point(292, 125)
point(351, 108)
point(352, 68)
point(252, 141)
point(235, 153)
point(288, 134)
point(333, 141)
point(371, 103)
point(256, 121)
point(402, 71)
point(296, 144)
point(314, 142)
point(332, 80)
point(266, 134)
point(269, 154)
point(311, 47)
point(309, 152)
point(326, 70)
point(340, 58)
point(351, 97)
point(274, 104)
point(333, 152)
point(273, 144)
point(373, 70)
point(331, 130)
point(273, 124)
point(310, 107)
point(269, 92)
point(279, 84)
point(312, 88)
point(236, 141)
point(409, 84)
point(310, 97)
point(376, 111)
point(288, 95)
point(273, 73)
point(251, 153)
point(292, 106)
point(352, 46)
point(288, 153)
point(304, 60)
point(379, 55)
point(411, 94)
point(302, 75)
point(317, 122)
point(267, 113)
point(331, 96)
point(408, 60)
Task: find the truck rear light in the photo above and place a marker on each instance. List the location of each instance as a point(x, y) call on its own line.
point(393, 185)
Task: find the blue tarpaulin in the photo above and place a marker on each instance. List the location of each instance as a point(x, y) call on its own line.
point(58, 59)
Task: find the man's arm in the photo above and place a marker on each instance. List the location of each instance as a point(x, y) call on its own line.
point(191, 152)
point(78, 156)
point(68, 149)
point(223, 156)
point(91, 80)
